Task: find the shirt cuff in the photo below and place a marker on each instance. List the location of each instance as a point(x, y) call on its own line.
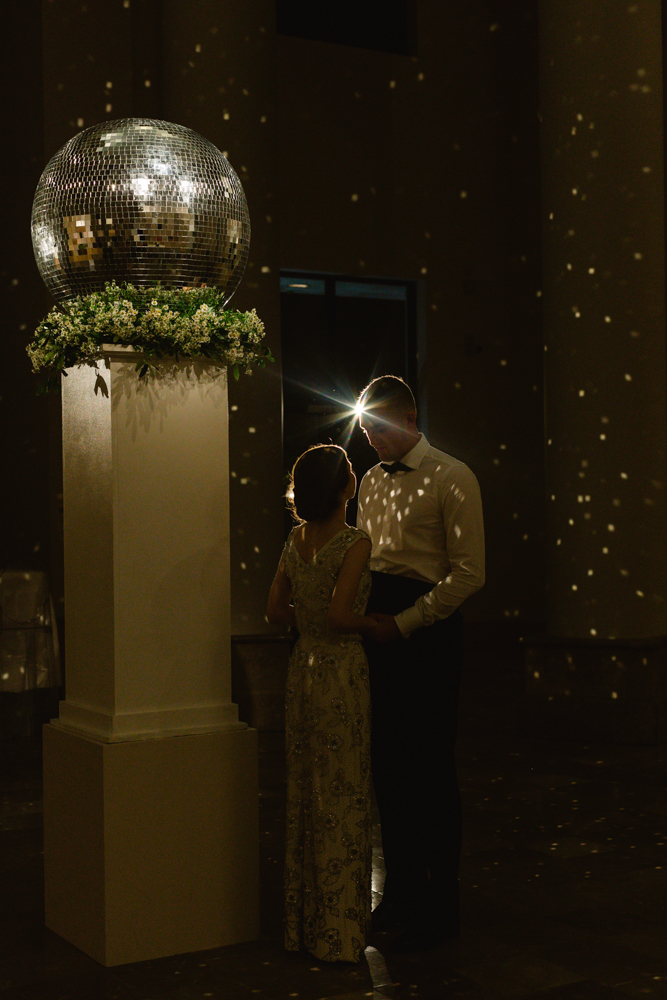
point(408, 621)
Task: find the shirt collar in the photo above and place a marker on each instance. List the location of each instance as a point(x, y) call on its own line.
point(415, 455)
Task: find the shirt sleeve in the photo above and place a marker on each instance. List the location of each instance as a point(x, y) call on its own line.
point(360, 505)
point(461, 506)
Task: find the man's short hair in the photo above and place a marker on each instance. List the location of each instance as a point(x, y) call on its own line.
point(388, 390)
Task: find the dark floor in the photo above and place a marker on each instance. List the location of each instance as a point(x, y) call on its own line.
point(564, 886)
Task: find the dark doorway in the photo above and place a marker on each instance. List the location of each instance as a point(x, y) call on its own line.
point(338, 333)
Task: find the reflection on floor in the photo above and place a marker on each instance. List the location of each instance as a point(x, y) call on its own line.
point(564, 882)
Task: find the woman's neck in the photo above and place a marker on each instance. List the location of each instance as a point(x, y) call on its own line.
point(335, 522)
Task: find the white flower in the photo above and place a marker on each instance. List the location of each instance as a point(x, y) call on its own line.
point(78, 333)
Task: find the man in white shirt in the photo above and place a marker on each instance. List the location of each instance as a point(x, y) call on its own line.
point(423, 512)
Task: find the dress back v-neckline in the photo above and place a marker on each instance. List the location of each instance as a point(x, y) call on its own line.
point(307, 562)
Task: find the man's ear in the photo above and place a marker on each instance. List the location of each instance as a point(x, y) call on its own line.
point(411, 418)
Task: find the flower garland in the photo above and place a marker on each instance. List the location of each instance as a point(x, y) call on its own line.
point(158, 322)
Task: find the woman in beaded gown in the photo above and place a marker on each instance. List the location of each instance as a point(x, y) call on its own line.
point(322, 586)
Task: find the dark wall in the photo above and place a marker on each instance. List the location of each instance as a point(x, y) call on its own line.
point(354, 161)
point(26, 492)
point(427, 168)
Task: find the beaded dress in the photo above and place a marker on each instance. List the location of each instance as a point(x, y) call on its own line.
point(328, 844)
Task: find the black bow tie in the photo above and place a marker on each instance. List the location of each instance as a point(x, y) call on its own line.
point(395, 467)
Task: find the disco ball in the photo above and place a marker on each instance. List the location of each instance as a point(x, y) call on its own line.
point(141, 201)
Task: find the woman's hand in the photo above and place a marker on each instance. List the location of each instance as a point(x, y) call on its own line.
point(386, 628)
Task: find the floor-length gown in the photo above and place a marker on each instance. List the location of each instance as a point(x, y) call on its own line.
point(328, 849)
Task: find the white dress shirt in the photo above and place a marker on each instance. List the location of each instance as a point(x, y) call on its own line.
point(426, 524)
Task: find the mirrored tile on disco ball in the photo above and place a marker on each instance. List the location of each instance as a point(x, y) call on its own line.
point(142, 201)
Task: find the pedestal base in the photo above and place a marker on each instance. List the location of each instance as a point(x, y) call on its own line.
point(590, 689)
point(151, 847)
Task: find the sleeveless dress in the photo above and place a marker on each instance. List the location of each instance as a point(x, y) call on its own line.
point(328, 716)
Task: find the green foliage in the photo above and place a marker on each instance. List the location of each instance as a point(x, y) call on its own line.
point(160, 323)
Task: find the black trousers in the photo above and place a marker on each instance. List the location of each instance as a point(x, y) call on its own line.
point(414, 693)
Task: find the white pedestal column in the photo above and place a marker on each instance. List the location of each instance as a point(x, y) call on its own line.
point(151, 839)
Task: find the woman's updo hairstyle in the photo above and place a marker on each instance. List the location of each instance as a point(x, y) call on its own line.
point(318, 478)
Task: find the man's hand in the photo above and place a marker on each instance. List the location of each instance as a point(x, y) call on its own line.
point(386, 630)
